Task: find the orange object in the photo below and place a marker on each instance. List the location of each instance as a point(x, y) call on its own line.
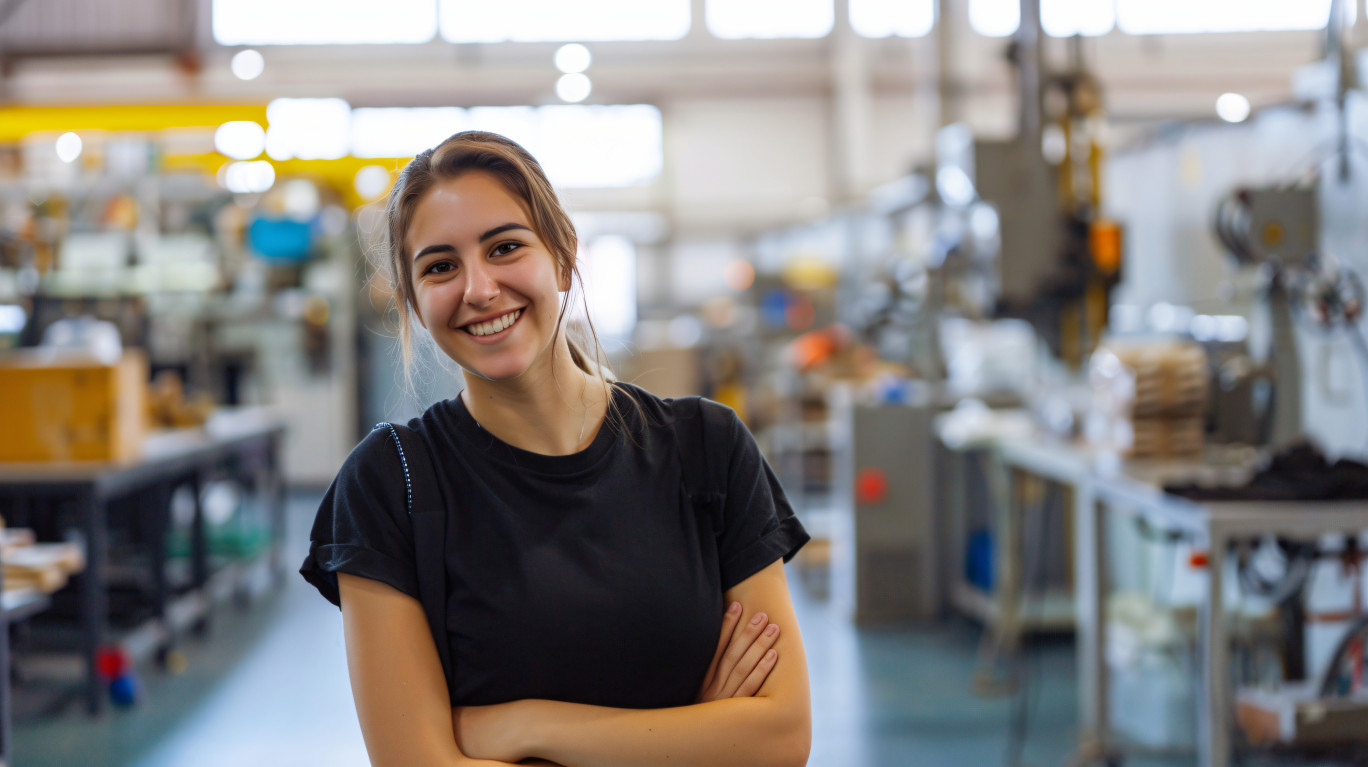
point(72, 409)
point(871, 485)
point(1104, 238)
point(1198, 559)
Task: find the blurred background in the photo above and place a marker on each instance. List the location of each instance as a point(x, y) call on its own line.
point(1048, 314)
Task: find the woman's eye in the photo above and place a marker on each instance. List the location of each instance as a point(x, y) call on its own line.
point(441, 267)
point(504, 248)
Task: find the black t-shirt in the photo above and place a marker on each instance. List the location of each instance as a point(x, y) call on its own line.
point(587, 578)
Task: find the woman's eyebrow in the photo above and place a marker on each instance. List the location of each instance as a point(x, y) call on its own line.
point(501, 229)
point(433, 249)
point(496, 231)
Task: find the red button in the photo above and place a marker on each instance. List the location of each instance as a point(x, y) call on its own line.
point(871, 485)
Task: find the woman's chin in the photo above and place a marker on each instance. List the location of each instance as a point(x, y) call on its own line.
point(490, 370)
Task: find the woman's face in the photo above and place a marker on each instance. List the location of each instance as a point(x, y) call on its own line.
point(485, 286)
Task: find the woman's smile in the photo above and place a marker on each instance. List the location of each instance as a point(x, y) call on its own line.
point(489, 331)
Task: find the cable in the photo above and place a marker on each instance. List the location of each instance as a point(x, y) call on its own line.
point(1298, 561)
point(1326, 687)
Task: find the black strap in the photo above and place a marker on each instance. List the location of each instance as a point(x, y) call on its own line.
point(427, 511)
point(692, 420)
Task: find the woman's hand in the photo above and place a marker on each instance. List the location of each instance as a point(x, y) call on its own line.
point(743, 659)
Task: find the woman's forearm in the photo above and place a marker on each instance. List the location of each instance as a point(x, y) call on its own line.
point(745, 732)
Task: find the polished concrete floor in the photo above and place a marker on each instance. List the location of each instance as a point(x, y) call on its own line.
point(268, 687)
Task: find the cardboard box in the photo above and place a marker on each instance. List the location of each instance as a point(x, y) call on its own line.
point(59, 408)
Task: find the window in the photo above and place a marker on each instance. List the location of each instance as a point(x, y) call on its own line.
point(308, 129)
point(483, 21)
point(321, 22)
point(1059, 18)
point(885, 18)
point(578, 146)
point(610, 285)
point(1155, 17)
point(741, 19)
point(599, 146)
point(994, 18)
point(1066, 18)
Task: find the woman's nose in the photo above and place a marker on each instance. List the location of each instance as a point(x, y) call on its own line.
point(481, 287)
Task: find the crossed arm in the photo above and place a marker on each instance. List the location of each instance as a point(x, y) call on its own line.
point(401, 699)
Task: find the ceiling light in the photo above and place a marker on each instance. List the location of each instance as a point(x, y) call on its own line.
point(371, 182)
point(1232, 107)
point(240, 139)
point(573, 88)
point(247, 64)
point(573, 58)
point(68, 147)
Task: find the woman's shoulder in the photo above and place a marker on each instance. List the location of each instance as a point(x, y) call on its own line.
point(717, 420)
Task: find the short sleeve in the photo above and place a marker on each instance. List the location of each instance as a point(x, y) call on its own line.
point(758, 523)
point(362, 526)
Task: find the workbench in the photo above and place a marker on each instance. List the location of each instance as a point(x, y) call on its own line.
point(240, 442)
point(1106, 488)
point(1130, 490)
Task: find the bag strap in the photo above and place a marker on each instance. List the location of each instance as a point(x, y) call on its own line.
point(692, 419)
point(427, 511)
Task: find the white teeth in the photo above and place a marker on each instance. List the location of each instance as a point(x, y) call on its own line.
point(494, 325)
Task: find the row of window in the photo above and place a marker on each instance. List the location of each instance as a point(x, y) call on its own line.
point(314, 22)
point(578, 146)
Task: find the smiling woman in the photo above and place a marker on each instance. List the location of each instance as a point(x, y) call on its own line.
point(552, 565)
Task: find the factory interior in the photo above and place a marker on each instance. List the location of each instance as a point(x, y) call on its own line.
point(1046, 314)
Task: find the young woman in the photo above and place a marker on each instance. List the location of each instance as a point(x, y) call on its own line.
point(611, 563)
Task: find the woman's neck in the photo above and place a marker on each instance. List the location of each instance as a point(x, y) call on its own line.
point(554, 411)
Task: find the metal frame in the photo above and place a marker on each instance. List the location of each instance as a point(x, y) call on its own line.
point(1219, 524)
point(249, 437)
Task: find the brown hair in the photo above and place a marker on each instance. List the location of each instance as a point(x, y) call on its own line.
point(522, 176)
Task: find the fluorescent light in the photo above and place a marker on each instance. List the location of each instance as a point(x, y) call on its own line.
point(482, 21)
point(68, 147)
point(309, 129)
point(403, 132)
point(573, 58)
point(746, 19)
point(1232, 107)
point(887, 18)
point(240, 139)
point(247, 65)
point(573, 88)
point(322, 22)
point(249, 177)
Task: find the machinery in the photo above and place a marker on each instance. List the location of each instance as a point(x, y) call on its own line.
point(1057, 256)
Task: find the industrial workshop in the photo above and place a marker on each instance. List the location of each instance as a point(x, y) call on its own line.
point(731, 383)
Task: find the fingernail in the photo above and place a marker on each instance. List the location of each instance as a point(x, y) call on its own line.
point(772, 630)
point(758, 619)
point(771, 655)
point(735, 607)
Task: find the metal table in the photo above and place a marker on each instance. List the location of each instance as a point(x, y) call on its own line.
point(1136, 489)
point(1008, 611)
point(239, 440)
